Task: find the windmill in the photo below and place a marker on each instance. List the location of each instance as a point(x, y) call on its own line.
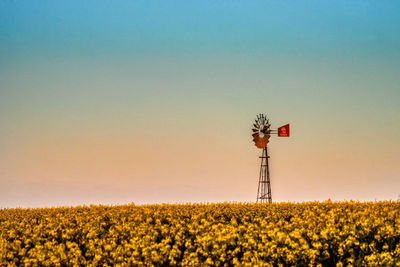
point(261, 134)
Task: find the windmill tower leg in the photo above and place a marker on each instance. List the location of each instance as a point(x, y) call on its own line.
point(264, 184)
point(261, 180)
point(269, 194)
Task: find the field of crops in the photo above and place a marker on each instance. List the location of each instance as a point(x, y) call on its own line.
point(328, 233)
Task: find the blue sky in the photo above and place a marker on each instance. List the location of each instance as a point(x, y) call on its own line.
point(90, 90)
point(129, 28)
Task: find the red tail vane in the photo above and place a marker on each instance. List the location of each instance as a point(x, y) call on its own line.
point(284, 131)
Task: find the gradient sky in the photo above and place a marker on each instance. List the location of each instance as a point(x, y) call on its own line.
point(152, 101)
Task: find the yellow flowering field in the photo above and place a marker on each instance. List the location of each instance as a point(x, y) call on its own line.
point(225, 234)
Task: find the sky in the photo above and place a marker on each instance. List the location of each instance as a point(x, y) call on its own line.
point(114, 102)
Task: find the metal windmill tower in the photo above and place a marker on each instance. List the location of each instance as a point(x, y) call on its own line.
point(261, 134)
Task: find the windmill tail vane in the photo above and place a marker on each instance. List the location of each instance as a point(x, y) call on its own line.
point(261, 133)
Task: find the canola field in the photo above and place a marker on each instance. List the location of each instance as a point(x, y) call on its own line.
point(226, 234)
